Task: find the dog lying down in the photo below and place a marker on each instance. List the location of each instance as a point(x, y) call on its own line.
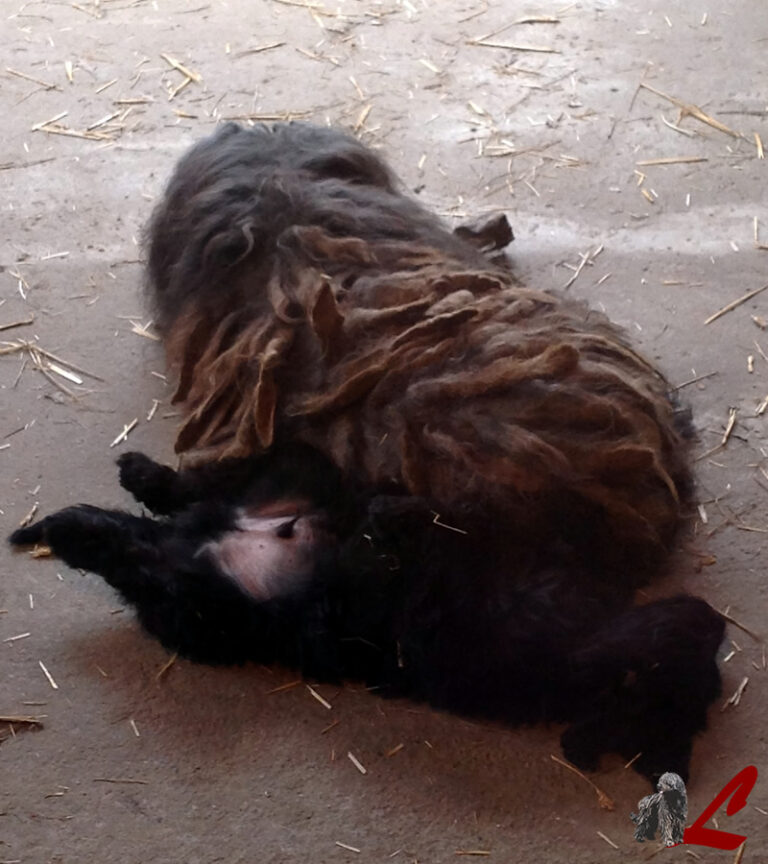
point(405, 468)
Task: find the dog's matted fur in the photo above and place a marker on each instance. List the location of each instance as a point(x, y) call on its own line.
point(505, 469)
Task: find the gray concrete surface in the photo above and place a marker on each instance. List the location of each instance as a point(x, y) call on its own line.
point(205, 765)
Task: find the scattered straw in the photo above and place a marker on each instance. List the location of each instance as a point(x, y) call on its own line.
point(166, 666)
point(741, 627)
point(739, 853)
point(695, 380)
point(258, 49)
point(127, 429)
point(732, 412)
point(356, 762)
point(511, 46)
point(23, 323)
point(21, 720)
point(759, 145)
point(30, 516)
point(607, 839)
point(180, 67)
point(603, 800)
point(743, 299)
point(689, 109)
point(396, 749)
point(362, 118)
point(738, 693)
point(120, 780)
point(48, 675)
point(436, 521)
point(347, 846)
point(672, 160)
point(319, 698)
point(289, 686)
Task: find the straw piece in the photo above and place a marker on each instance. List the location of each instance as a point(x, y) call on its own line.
point(688, 108)
point(743, 299)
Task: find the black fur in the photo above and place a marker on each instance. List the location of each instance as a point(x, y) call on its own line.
point(395, 604)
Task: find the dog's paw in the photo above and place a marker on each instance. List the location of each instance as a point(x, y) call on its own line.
point(29, 535)
point(150, 483)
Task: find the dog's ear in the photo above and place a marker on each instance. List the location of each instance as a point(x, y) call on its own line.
point(488, 235)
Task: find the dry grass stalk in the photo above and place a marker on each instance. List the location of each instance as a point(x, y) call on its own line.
point(436, 521)
point(30, 516)
point(738, 693)
point(25, 322)
point(687, 132)
point(41, 552)
point(120, 780)
point(65, 373)
point(739, 853)
point(48, 675)
point(356, 762)
point(473, 853)
point(319, 698)
point(180, 67)
point(538, 19)
point(21, 719)
point(362, 118)
point(603, 800)
point(672, 160)
point(346, 845)
point(607, 839)
point(166, 666)
point(759, 145)
point(741, 626)
point(689, 109)
point(143, 330)
point(126, 430)
point(743, 299)
point(510, 46)
point(153, 409)
point(258, 49)
point(732, 412)
point(46, 84)
point(694, 380)
point(289, 686)
point(16, 638)
point(267, 117)
point(396, 749)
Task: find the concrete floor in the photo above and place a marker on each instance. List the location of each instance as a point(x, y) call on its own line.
point(205, 765)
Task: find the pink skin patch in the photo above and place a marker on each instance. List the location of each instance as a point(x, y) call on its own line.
point(273, 551)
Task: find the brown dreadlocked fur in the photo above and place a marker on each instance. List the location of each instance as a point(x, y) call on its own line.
point(316, 310)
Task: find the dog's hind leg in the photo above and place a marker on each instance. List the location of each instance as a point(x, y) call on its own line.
point(644, 682)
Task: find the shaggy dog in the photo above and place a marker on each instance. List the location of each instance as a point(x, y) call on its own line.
point(409, 468)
